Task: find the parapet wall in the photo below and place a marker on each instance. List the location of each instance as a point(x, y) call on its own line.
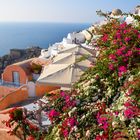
point(5, 90)
point(19, 95)
point(42, 89)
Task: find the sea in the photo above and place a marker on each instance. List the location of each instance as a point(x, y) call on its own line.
point(24, 35)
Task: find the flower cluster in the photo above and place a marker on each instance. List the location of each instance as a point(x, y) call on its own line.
point(105, 105)
point(18, 121)
point(68, 125)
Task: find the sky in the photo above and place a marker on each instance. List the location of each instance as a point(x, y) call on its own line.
point(74, 11)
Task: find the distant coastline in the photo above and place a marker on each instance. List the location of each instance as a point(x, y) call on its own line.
point(22, 35)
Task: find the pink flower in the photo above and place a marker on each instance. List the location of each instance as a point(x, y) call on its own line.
point(63, 94)
point(129, 53)
point(53, 114)
point(123, 48)
point(139, 36)
point(138, 50)
point(121, 43)
point(72, 122)
point(127, 39)
point(105, 38)
point(125, 60)
point(122, 69)
point(120, 74)
point(125, 31)
point(103, 122)
point(118, 36)
point(65, 133)
point(123, 25)
point(116, 113)
point(129, 113)
point(138, 132)
point(115, 42)
point(112, 57)
point(111, 66)
point(119, 52)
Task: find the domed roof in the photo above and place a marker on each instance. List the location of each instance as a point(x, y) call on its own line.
point(138, 6)
point(116, 12)
point(137, 9)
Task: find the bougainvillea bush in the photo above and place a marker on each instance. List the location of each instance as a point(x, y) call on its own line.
point(20, 125)
point(105, 103)
point(108, 95)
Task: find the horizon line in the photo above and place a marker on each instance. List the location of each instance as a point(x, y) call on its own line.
point(46, 22)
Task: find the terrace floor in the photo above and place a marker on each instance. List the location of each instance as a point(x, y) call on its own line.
point(26, 102)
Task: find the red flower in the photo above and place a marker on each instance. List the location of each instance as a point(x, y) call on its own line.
point(129, 113)
point(30, 138)
point(33, 127)
point(127, 104)
point(11, 115)
point(102, 137)
point(7, 123)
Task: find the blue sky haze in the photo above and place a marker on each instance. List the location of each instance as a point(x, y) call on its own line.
point(59, 10)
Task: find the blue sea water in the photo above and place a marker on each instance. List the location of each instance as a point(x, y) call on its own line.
point(23, 35)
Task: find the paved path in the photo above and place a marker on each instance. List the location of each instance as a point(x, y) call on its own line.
point(26, 102)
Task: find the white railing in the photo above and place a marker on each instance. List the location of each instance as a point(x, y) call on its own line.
point(10, 84)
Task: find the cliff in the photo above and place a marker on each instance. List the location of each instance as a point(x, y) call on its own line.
point(17, 55)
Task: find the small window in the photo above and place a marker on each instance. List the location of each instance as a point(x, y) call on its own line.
point(16, 78)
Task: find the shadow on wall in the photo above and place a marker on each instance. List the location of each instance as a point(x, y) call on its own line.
point(4, 90)
point(19, 95)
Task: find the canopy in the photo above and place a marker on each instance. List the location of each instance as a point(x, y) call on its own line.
point(63, 75)
point(67, 67)
point(73, 58)
point(76, 48)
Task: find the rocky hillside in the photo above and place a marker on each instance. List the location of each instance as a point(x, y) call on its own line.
point(17, 55)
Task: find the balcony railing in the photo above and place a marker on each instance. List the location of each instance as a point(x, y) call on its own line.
point(10, 84)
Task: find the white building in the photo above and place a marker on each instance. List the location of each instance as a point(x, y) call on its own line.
point(74, 38)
